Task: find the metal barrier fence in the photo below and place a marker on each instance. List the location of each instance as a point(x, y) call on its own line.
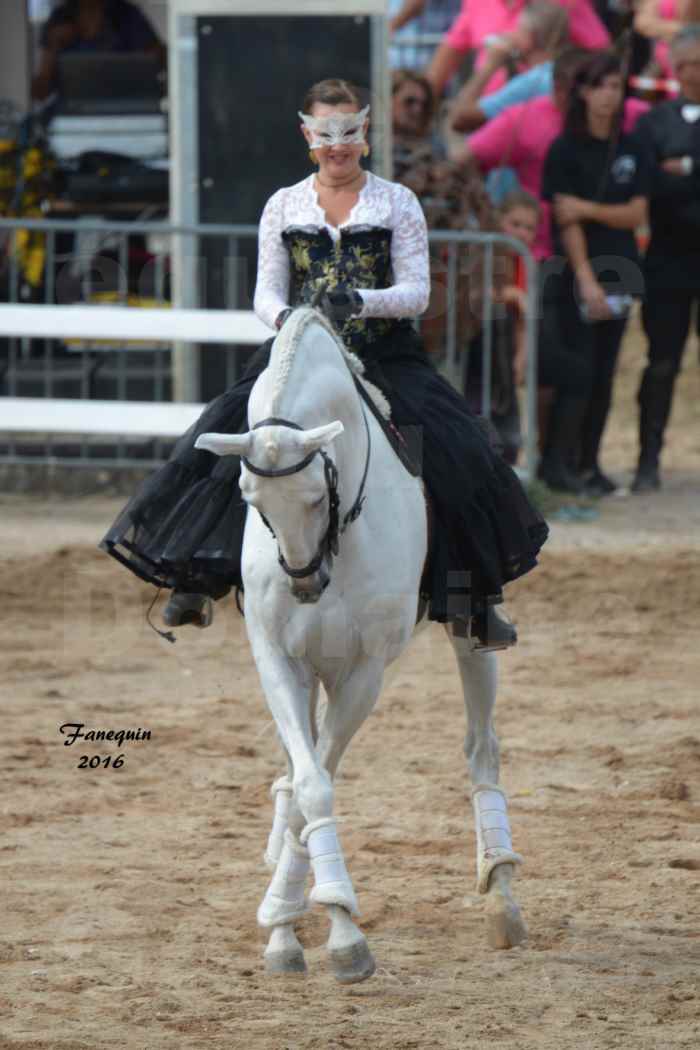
point(132, 263)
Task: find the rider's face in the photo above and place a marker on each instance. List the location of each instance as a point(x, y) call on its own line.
point(346, 141)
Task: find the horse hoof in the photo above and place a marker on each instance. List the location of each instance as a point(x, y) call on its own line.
point(505, 926)
point(352, 964)
point(286, 961)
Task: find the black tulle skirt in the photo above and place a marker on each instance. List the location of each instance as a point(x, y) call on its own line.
point(184, 527)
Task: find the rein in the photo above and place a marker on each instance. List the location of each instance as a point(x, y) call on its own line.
point(329, 544)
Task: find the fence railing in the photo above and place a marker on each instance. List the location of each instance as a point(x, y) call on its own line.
point(127, 264)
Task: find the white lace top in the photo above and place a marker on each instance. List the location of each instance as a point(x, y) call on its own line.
point(380, 204)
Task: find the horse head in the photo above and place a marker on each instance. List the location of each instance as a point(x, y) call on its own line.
point(289, 479)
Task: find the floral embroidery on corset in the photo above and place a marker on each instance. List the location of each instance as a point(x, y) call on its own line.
point(361, 258)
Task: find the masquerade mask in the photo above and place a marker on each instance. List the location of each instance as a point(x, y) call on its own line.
point(340, 129)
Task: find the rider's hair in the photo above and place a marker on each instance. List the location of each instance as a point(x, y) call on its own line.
point(334, 93)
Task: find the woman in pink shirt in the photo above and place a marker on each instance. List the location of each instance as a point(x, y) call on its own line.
point(480, 19)
point(660, 20)
point(520, 137)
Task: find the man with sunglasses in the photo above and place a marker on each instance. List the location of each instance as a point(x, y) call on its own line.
point(671, 134)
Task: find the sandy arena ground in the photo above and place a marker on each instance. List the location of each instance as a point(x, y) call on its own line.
point(130, 894)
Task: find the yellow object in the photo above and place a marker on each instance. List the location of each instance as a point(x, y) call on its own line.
point(135, 301)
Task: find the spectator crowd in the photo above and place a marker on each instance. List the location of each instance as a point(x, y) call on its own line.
point(527, 118)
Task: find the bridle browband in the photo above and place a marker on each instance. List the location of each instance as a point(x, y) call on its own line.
point(329, 544)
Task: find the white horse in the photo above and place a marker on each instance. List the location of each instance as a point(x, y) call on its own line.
point(340, 622)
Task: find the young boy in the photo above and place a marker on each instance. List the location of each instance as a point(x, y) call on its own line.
point(518, 216)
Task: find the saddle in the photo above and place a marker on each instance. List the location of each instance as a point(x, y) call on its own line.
point(408, 457)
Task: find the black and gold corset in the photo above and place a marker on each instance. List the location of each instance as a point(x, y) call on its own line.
point(360, 258)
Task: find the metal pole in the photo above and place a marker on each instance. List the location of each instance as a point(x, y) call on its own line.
point(380, 126)
point(487, 333)
point(531, 346)
point(452, 365)
point(184, 191)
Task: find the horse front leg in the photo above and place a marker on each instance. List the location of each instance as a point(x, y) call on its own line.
point(291, 691)
point(281, 793)
point(284, 901)
point(349, 704)
point(496, 860)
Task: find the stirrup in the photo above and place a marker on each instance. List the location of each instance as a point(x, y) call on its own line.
point(183, 608)
point(492, 631)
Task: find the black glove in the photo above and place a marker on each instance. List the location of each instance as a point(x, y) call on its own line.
point(340, 303)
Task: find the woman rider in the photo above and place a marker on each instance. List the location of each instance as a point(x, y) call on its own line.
point(364, 240)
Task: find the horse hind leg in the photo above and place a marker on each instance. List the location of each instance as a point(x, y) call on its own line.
point(496, 860)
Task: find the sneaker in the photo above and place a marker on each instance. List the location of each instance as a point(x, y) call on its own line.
point(597, 484)
point(183, 608)
point(646, 479)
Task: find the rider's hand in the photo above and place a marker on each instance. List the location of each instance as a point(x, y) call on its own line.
point(340, 303)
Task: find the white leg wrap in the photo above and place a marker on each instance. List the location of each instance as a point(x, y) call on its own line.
point(284, 901)
point(493, 841)
point(332, 883)
point(281, 792)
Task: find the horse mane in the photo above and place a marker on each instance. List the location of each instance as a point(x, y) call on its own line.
point(287, 343)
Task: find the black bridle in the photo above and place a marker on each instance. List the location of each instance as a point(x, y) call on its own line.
point(329, 544)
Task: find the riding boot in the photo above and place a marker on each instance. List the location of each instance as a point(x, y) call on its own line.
point(183, 608)
point(563, 436)
point(655, 397)
point(493, 630)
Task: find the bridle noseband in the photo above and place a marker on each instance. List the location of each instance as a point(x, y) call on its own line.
point(329, 544)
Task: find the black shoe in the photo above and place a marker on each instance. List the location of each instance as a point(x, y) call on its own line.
point(558, 478)
point(647, 478)
point(597, 484)
point(183, 608)
point(493, 630)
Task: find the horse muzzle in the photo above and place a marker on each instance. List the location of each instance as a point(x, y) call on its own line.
point(308, 590)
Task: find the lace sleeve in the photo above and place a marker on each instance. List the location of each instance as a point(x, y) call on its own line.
point(408, 295)
point(272, 285)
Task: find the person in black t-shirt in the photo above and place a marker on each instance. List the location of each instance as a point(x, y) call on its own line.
point(598, 182)
point(671, 133)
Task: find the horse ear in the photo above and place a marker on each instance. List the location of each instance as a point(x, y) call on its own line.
point(225, 444)
point(318, 437)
